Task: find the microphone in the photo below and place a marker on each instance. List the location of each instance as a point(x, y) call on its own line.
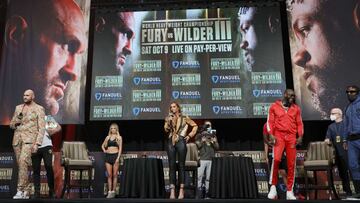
point(20, 117)
point(170, 118)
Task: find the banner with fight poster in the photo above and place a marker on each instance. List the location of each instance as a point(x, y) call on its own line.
point(45, 49)
point(216, 62)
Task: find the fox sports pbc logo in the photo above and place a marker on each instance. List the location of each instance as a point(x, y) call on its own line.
point(185, 64)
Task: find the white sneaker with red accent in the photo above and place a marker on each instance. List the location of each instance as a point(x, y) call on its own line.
point(273, 193)
point(290, 195)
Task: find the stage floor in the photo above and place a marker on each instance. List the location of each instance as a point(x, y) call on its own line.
point(127, 200)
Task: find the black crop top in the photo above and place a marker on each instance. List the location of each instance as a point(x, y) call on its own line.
point(112, 143)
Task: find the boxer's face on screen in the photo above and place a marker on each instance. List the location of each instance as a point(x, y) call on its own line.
point(123, 31)
point(324, 49)
point(60, 39)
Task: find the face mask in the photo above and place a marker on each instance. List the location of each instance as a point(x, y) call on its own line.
point(286, 103)
point(332, 117)
point(352, 98)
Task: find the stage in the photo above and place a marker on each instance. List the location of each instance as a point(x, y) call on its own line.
point(127, 200)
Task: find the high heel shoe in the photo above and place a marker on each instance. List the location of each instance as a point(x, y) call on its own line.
point(172, 193)
point(181, 192)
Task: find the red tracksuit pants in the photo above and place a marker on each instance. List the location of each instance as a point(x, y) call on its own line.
point(287, 142)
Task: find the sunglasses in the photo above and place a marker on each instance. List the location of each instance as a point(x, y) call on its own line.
point(351, 91)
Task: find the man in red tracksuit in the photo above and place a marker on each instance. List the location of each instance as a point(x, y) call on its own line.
point(283, 124)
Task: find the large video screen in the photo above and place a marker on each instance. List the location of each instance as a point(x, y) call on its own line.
point(324, 40)
point(217, 63)
point(45, 50)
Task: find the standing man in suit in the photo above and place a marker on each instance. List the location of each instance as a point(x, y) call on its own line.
point(28, 122)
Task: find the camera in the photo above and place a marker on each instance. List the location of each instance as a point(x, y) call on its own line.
point(209, 133)
point(213, 132)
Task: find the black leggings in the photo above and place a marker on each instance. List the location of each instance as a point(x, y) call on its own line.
point(46, 154)
point(179, 149)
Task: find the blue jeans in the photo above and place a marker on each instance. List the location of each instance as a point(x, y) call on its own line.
point(354, 158)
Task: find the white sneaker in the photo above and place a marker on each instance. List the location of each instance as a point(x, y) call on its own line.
point(18, 195)
point(290, 195)
point(113, 194)
point(273, 193)
point(109, 194)
point(26, 195)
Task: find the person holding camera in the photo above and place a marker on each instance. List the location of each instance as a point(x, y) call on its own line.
point(207, 144)
point(28, 122)
point(45, 152)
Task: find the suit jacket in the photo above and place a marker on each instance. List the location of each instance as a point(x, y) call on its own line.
point(180, 128)
point(32, 127)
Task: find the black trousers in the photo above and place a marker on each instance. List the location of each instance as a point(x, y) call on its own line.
point(46, 154)
point(178, 150)
point(341, 163)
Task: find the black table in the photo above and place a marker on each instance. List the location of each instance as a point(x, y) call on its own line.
point(142, 178)
point(233, 177)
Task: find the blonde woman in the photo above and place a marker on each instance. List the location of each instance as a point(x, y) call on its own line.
point(112, 147)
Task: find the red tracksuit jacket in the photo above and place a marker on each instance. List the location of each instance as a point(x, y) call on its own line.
point(284, 122)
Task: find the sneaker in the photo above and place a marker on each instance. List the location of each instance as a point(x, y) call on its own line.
point(355, 197)
point(273, 193)
point(18, 195)
point(290, 195)
point(26, 195)
point(113, 194)
point(109, 194)
point(352, 199)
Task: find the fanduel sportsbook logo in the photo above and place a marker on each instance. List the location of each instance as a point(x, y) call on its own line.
point(267, 93)
point(186, 94)
point(108, 96)
point(175, 94)
point(216, 109)
point(139, 110)
point(147, 80)
point(225, 79)
point(229, 110)
point(136, 80)
point(185, 64)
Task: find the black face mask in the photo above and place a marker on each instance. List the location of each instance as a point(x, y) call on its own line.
point(352, 97)
point(286, 103)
